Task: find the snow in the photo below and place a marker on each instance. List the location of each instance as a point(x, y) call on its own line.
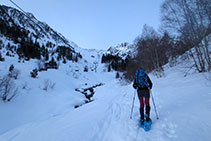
point(36, 114)
point(123, 50)
point(183, 104)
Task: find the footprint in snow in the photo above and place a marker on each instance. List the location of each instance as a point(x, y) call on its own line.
point(169, 129)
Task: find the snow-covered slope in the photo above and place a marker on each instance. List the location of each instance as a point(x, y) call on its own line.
point(33, 102)
point(183, 105)
point(122, 50)
point(36, 29)
point(53, 90)
point(24, 36)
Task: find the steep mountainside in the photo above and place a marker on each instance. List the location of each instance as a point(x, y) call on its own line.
point(41, 72)
point(123, 50)
point(24, 35)
point(117, 57)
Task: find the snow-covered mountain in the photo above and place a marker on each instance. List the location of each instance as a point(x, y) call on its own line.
point(122, 50)
point(56, 105)
point(117, 57)
point(28, 91)
point(24, 36)
point(35, 29)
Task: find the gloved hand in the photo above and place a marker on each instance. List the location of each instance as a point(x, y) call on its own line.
point(134, 85)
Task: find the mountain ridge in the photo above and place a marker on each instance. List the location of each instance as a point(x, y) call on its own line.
point(29, 38)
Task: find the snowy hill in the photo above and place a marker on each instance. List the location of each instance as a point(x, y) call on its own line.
point(183, 104)
point(50, 93)
point(122, 50)
point(31, 99)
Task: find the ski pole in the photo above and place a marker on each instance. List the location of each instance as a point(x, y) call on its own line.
point(133, 104)
point(154, 105)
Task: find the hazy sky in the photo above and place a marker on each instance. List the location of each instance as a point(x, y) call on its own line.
point(95, 23)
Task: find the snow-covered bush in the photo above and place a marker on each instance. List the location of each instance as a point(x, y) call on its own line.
point(41, 65)
point(13, 73)
point(1, 58)
point(52, 64)
point(48, 85)
point(86, 69)
point(8, 89)
point(34, 73)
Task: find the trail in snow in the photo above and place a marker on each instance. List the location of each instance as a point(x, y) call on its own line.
point(183, 105)
point(117, 125)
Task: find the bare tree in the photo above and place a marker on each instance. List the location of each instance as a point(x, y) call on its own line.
point(48, 85)
point(13, 72)
point(8, 89)
point(151, 52)
point(190, 19)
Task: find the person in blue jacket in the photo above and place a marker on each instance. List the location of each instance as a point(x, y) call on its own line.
point(143, 83)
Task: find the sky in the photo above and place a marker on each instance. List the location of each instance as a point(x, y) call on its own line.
point(95, 24)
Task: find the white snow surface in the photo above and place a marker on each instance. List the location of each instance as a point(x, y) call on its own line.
point(183, 104)
point(123, 50)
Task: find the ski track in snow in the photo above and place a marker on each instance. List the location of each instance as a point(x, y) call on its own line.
point(179, 117)
point(118, 125)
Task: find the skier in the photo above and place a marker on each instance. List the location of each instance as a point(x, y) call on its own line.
point(143, 83)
